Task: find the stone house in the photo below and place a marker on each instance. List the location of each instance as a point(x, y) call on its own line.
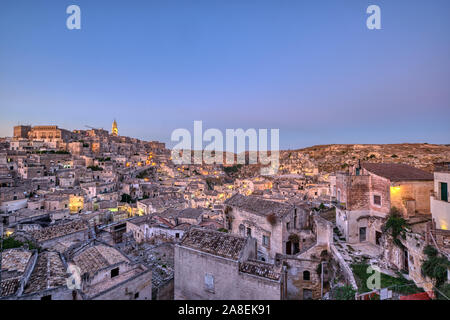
point(276, 226)
point(108, 274)
point(48, 279)
point(213, 265)
point(440, 205)
point(76, 230)
point(366, 194)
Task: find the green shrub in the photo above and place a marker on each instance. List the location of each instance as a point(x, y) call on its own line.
point(436, 266)
point(396, 224)
point(344, 293)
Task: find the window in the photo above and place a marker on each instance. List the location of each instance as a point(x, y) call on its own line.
point(177, 235)
point(287, 225)
point(209, 282)
point(306, 275)
point(136, 295)
point(444, 191)
point(265, 241)
point(249, 232)
point(377, 200)
point(362, 234)
point(114, 272)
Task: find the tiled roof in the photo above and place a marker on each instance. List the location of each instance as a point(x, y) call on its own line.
point(49, 272)
point(397, 171)
point(59, 230)
point(258, 205)
point(214, 242)
point(261, 269)
point(188, 213)
point(94, 258)
point(15, 260)
point(9, 286)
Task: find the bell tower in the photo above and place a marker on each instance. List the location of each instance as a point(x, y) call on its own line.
point(114, 130)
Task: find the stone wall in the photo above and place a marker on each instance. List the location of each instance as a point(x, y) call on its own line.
point(141, 285)
point(260, 226)
point(192, 266)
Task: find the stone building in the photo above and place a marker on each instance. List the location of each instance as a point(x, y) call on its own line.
point(48, 279)
point(108, 274)
point(440, 205)
point(21, 132)
point(50, 134)
point(213, 265)
point(366, 194)
point(276, 226)
point(17, 264)
point(76, 230)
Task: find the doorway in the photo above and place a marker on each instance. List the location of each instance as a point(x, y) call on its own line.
point(378, 238)
point(362, 234)
point(406, 261)
point(288, 247)
point(444, 191)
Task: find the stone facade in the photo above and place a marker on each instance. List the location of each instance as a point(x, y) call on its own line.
point(222, 276)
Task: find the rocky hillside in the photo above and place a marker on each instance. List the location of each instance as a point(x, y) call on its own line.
point(331, 158)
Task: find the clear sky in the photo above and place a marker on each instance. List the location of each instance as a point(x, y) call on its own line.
point(309, 68)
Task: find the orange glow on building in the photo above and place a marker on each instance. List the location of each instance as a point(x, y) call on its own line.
point(395, 190)
point(76, 203)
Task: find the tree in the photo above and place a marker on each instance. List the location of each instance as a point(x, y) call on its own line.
point(344, 293)
point(436, 266)
point(126, 198)
point(443, 290)
point(396, 225)
point(95, 168)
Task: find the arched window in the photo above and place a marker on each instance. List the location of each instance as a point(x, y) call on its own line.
point(306, 275)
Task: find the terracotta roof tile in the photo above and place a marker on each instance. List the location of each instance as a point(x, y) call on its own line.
point(397, 171)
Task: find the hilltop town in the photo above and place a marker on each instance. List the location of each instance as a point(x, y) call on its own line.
point(93, 215)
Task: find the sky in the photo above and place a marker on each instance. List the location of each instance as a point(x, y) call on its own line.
point(311, 69)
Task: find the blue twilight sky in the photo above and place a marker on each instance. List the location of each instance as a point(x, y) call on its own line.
point(310, 68)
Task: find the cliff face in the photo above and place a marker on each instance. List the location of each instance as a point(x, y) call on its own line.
point(331, 158)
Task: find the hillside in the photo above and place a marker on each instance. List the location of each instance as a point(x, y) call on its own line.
point(330, 158)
